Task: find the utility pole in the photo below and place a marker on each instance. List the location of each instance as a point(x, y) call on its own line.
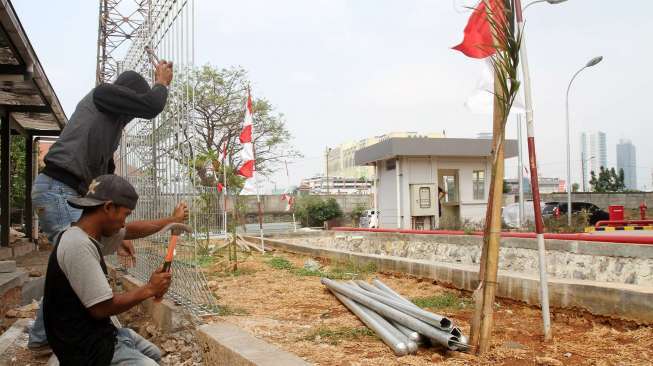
point(118, 24)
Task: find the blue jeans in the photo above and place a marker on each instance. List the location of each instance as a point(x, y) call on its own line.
point(49, 200)
point(55, 214)
point(134, 350)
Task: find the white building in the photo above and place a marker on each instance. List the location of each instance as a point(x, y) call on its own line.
point(340, 159)
point(627, 160)
point(594, 155)
point(410, 170)
point(335, 185)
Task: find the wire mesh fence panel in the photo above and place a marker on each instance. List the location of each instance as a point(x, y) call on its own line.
point(156, 156)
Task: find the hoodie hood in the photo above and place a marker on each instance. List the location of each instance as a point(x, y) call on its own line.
point(134, 81)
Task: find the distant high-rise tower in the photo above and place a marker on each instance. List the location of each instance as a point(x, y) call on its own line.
point(627, 160)
point(593, 155)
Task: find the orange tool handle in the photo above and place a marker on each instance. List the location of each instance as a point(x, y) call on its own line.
point(171, 253)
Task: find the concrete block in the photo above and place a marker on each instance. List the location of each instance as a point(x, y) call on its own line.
point(7, 266)
point(5, 253)
point(10, 335)
point(32, 290)
point(12, 280)
point(226, 344)
point(164, 314)
point(23, 248)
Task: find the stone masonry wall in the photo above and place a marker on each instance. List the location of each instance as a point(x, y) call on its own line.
point(611, 262)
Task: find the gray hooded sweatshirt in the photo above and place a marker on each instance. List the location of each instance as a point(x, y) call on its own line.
point(87, 143)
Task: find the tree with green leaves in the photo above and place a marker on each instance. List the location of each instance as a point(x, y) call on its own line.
point(219, 97)
point(608, 180)
point(314, 211)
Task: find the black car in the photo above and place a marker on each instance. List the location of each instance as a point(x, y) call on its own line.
point(595, 213)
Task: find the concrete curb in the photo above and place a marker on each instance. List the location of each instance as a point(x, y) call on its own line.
point(226, 344)
point(622, 301)
point(222, 343)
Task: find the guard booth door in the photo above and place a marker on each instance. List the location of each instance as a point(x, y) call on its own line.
point(449, 182)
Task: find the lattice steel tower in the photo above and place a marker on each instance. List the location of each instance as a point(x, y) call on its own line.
point(119, 22)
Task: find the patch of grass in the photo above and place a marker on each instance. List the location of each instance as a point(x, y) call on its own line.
point(205, 260)
point(236, 273)
point(447, 300)
point(280, 263)
point(226, 310)
point(334, 336)
point(340, 271)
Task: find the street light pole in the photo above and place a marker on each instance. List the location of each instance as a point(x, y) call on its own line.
point(590, 63)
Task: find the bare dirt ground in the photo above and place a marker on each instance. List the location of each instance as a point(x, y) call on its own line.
point(296, 313)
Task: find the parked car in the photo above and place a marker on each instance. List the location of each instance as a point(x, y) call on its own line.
point(510, 213)
point(369, 219)
point(595, 213)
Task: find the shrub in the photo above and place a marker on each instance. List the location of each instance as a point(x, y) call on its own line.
point(314, 211)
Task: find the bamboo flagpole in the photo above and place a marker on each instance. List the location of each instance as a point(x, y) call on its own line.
point(490, 32)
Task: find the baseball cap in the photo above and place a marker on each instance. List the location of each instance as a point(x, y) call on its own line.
point(105, 188)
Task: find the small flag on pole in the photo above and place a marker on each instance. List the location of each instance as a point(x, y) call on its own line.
point(247, 153)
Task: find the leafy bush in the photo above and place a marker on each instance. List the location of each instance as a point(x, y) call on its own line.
point(314, 211)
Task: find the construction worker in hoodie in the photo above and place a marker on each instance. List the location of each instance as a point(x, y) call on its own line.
point(85, 151)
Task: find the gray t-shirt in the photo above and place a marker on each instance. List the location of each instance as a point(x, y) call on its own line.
point(80, 262)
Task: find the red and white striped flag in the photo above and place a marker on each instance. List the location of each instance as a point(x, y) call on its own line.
point(290, 201)
point(247, 153)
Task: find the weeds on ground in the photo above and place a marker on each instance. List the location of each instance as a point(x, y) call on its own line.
point(226, 310)
point(238, 272)
point(339, 271)
point(334, 336)
point(446, 300)
point(279, 263)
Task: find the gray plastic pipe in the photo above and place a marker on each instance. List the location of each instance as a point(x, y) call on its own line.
point(390, 325)
point(442, 337)
point(455, 331)
point(398, 347)
point(423, 315)
point(382, 286)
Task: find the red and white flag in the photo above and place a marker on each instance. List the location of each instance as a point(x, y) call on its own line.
point(478, 42)
point(247, 153)
point(290, 201)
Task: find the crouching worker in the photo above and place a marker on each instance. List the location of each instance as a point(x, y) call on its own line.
point(78, 300)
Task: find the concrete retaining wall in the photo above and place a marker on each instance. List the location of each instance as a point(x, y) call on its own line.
point(627, 302)
point(574, 260)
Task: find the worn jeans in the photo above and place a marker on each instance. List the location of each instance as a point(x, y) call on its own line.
point(49, 200)
point(55, 214)
point(134, 350)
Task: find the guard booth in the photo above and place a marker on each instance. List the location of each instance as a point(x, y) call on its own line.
point(28, 107)
point(428, 183)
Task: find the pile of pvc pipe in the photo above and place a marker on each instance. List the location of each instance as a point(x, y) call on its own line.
point(401, 324)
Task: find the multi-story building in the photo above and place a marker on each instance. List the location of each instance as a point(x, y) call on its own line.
point(627, 160)
point(335, 185)
point(340, 159)
point(594, 155)
point(547, 185)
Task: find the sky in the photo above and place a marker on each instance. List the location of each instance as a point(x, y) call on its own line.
point(342, 70)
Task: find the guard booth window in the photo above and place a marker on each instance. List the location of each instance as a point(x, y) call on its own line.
point(478, 181)
point(425, 197)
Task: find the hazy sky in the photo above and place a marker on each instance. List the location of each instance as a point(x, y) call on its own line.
point(346, 69)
